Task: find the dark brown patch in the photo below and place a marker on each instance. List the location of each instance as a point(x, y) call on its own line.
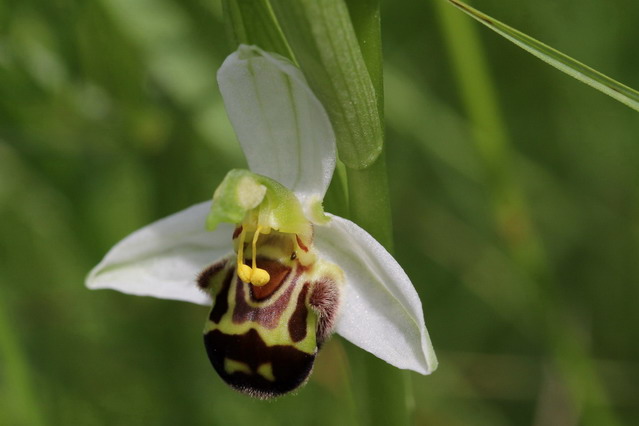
point(325, 300)
point(237, 231)
point(300, 243)
point(221, 304)
point(267, 316)
point(278, 273)
point(291, 367)
point(297, 322)
point(205, 277)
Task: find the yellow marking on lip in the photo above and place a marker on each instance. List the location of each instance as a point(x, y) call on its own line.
point(231, 366)
point(266, 371)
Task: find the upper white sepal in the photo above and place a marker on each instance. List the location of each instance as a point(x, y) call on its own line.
point(282, 127)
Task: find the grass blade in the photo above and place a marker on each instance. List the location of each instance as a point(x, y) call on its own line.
point(562, 62)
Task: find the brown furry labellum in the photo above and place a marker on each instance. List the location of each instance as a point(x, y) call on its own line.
point(262, 340)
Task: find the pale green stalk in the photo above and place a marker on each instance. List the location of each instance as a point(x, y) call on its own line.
point(368, 187)
point(390, 399)
point(511, 215)
point(389, 390)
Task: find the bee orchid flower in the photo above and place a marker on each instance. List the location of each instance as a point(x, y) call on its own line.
point(279, 274)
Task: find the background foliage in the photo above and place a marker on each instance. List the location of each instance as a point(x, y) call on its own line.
point(110, 118)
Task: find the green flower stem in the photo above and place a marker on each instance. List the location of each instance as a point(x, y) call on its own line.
point(389, 391)
point(336, 198)
point(369, 201)
point(368, 188)
point(390, 398)
point(546, 319)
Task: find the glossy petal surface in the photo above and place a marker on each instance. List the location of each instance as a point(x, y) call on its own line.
point(164, 258)
point(381, 310)
point(282, 127)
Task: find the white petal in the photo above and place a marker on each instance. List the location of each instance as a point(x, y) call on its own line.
point(381, 311)
point(282, 127)
point(164, 258)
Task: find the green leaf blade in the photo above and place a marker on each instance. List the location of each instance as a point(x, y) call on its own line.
point(252, 22)
point(555, 58)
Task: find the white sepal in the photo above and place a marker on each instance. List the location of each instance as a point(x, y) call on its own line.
point(164, 258)
point(282, 127)
point(381, 311)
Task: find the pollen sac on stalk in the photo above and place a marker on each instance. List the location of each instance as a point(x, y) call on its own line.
point(262, 339)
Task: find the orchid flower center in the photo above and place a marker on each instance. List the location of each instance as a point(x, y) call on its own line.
point(273, 245)
point(276, 300)
point(270, 224)
point(254, 275)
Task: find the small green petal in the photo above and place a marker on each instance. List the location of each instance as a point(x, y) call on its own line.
point(238, 193)
point(315, 212)
point(244, 196)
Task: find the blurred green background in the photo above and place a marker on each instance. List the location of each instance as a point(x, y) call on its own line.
point(515, 200)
